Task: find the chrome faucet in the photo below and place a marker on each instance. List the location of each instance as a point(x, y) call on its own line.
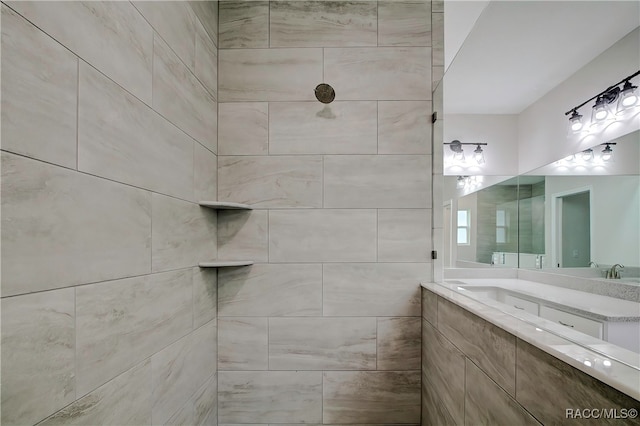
point(613, 273)
point(593, 264)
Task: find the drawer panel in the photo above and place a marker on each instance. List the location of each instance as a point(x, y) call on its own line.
point(521, 304)
point(582, 324)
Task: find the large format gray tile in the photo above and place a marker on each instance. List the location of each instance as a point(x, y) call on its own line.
point(433, 410)
point(111, 36)
point(121, 138)
point(75, 228)
point(322, 235)
point(444, 368)
point(404, 127)
point(398, 343)
point(490, 347)
point(201, 409)
point(430, 307)
point(243, 128)
point(379, 73)
point(175, 22)
point(371, 397)
point(270, 396)
point(38, 360)
point(547, 387)
point(373, 289)
point(268, 74)
point(180, 369)
point(323, 24)
point(404, 23)
point(270, 290)
point(182, 99)
point(404, 235)
point(322, 343)
point(383, 181)
point(205, 295)
point(206, 68)
point(486, 403)
point(182, 417)
point(120, 323)
point(243, 343)
point(205, 402)
point(125, 400)
point(244, 24)
point(207, 13)
point(314, 128)
point(31, 96)
point(205, 174)
point(243, 235)
point(437, 38)
point(183, 234)
point(278, 181)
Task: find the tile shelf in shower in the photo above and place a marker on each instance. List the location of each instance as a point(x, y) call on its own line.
point(224, 205)
point(225, 263)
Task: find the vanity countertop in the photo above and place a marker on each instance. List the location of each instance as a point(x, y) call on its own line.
point(595, 306)
point(620, 368)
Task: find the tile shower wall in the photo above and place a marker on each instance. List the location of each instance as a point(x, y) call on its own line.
point(325, 326)
point(109, 138)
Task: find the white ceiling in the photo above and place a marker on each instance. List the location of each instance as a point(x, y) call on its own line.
point(517, 51)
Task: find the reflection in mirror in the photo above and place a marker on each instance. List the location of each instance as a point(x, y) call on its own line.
point(584, 216)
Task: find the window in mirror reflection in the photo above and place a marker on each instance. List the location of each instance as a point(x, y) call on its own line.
point(502, 226)
point(464, 222)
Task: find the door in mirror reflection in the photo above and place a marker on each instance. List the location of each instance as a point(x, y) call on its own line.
point(573, 236)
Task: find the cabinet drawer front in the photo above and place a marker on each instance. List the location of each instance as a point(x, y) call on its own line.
point(523, 305)
point(582, 324)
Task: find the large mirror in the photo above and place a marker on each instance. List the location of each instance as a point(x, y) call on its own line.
point(582, 213)
point(579, 215)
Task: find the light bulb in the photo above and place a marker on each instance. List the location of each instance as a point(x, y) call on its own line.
point(601, 113)
point(478, 155)
point(629, 100)
point(600, 110)
point(607, 153)
point(576, 121)
point(628, 97)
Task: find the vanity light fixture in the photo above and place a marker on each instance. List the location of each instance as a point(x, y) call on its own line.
point(601, 111)
point(458, 152)
point(460, 182)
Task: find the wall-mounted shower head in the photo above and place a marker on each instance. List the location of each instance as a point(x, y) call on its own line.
point(325, 93)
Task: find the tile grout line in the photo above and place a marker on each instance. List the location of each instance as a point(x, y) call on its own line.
point(77, 113)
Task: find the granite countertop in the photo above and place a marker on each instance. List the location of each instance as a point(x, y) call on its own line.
point(594, 306)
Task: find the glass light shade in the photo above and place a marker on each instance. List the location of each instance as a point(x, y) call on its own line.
point(600, 112)
point(587, 155)
point(459, 156)
point(460, 182)
point(628, 98)
point(478, 155)
point(607, 153)
point(575, 121)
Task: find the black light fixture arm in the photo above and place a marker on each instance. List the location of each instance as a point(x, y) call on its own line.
point(604, 92)
point(457, 142)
